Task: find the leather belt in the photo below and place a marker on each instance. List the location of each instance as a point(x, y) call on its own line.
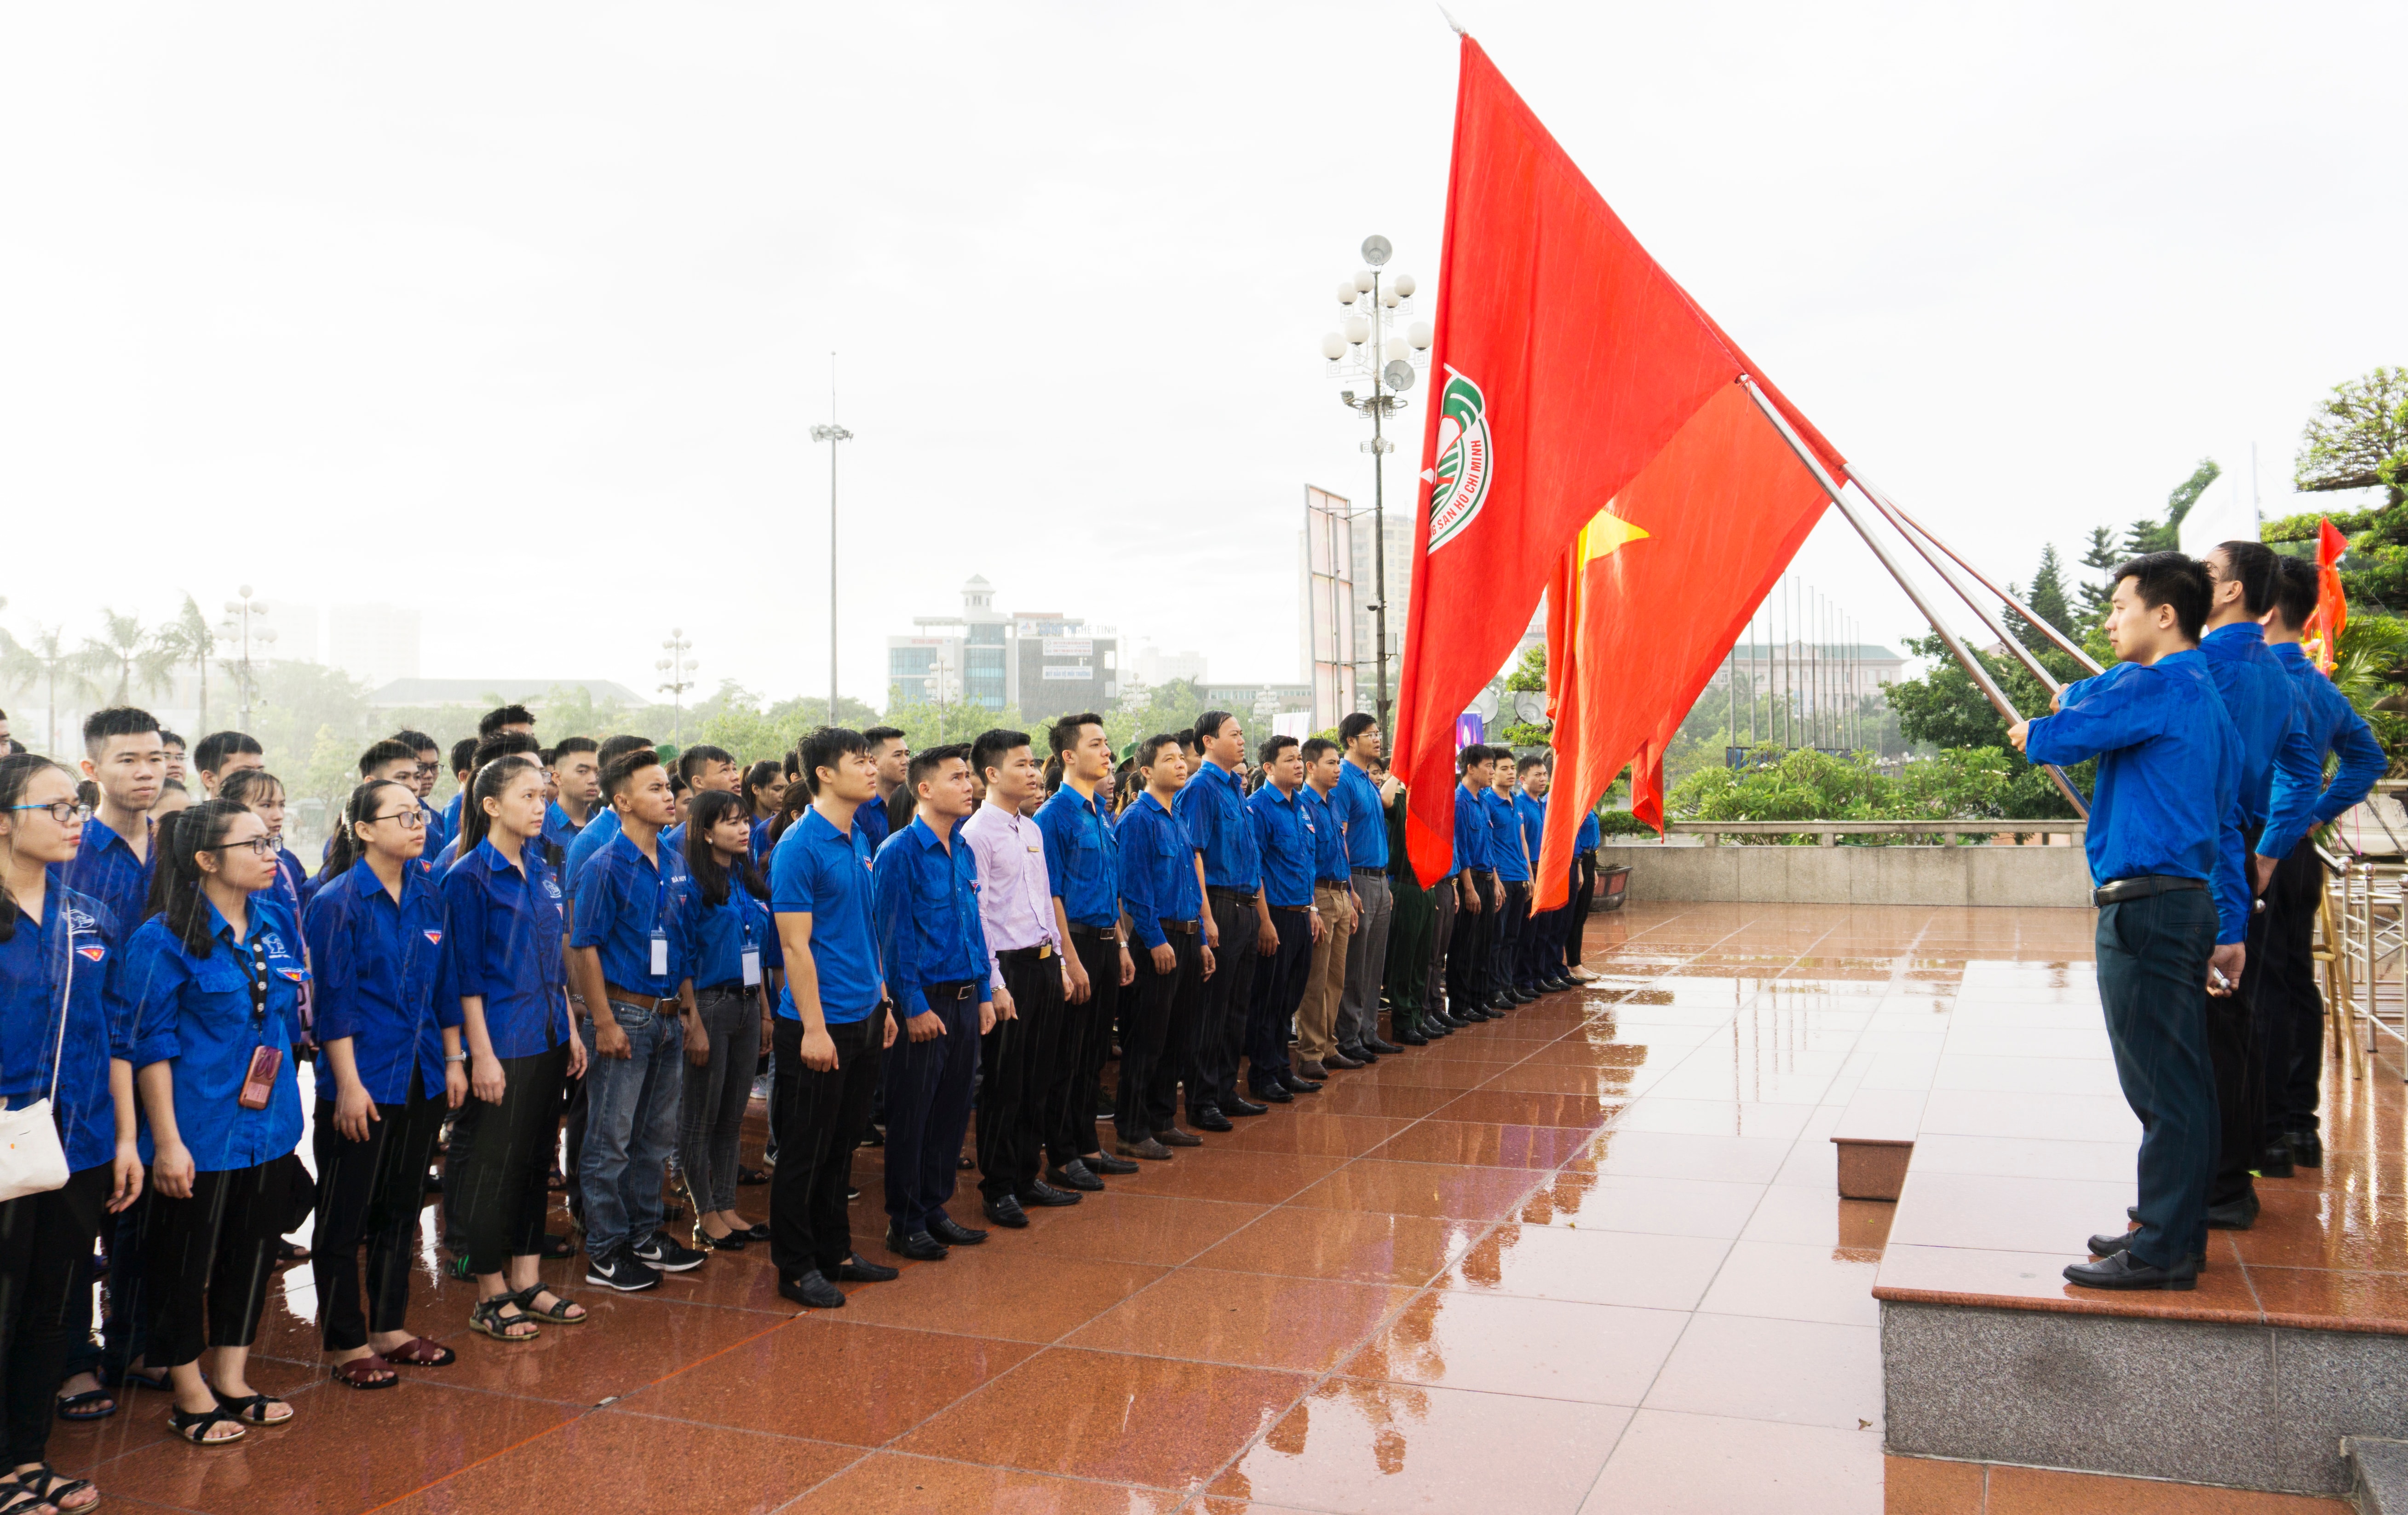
point(1360, 872)
point(1179, 927)
point(650, 1003)
point(2117, 890)
point(1040, 953)
point(1229, 896)
point(732, 987)
point(950, 993)
point(1095, 933)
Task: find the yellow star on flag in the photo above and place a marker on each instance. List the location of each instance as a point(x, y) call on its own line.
point(1605, 535)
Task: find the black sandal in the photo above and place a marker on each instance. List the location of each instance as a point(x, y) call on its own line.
point(194, 1426)
point(15, 1499)
point(486, 1318)
point(56, 1489)
point(78, 1406)
point(251, 1410)
point(561, 1303)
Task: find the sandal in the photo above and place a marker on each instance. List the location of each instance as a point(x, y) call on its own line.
point(486, 1318)
point(420, 1352)
point(557, 1246)
point(78, 1406)
point(361, 1372)
point(561, 1306)
point(155, 1380)
point(194, 1426)
point(252, 1409)
point(55, 1489)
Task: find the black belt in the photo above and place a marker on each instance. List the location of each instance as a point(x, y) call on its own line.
point(733, 986)
point(1289, 910)
point(2117, 890)
point(1040, 953)
point(1362, 871)
point(1179, 927)
point(1229, 896)
point(1095, 933)
point(950, 993)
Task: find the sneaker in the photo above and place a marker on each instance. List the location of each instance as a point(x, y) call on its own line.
point(667, 1253)
point(621, 1270)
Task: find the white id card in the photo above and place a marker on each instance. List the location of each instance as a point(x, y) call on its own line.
point(659, 955)
point(752, 967)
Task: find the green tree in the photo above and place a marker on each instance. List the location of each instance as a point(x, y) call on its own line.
point(2358, 439)
point(1145, 709)
point(2047, 599)
point(2103, 555)
point(1947, 710)
point(130, 657)
point(1529, 676)
point(190, 639)
point(48, 664)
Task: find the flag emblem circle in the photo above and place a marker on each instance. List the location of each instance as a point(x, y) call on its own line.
point(1459, 481)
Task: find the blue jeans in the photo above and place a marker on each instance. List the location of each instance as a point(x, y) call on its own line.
point(2152, 984)
point(631, 1120)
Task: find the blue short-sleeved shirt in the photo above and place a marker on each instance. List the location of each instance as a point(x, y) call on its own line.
point(1157, 870)
point(596, 835)
point(1590, 835)
point(1285, 841)
point(105, 869)
point(1473, 848)
point(818, 870)
point(1532, 813)
point(505, 946)
point(71, 953)
point(1356, 803)
point(870, 821)
point(383, 980)
point(1213, 807)
point(439, 830)
point(1082, 857)
point(558, 829)
point(926, 895)
point(1504, 838)
point(623, 902)
point(1329, 835)
point(718, 935)
point(199, 1015)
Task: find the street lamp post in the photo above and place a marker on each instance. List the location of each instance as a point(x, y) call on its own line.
point(831, 434)
point(1364, 346)
point(680, 668)
point(242, 626)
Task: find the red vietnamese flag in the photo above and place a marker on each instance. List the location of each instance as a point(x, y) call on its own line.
point(2333, 606)
point(1565, 361)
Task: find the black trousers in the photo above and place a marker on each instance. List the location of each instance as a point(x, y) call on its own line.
point(1220, 1032)
point(1584, 895)
point(820, 1117)
point(499, 1181)
point(928, 1086)
point(1163, 1010)
point(370, 1193)
point(207, 1261)
point(2233, 1048)
point(2290, 1018)
point(1467, 951)
point(45, 1257)
point(1021, 1059)
point(1505, 940)
point(2152, 983)
point(1279, 986)
point(1086, 1046)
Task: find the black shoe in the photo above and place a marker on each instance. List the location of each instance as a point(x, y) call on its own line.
point(1176, 1137)
point(1104, 1162)
point(811, 1291)
point(2125, 1271)
point(1388, 1049)
point(1237, 1106)
point(1150, 1149)
point(859, 1269)
point(1276, 1094)
point(918, 1246)
point(2277, 1163)
point(665, 1252)
point(2107, 1244)
point(873, 1137)
point(1210, 1120)
point(1558, 985)
point(1440, 1024)
point(1042, 1193)
point(2240, 1215)
point(1006, 1212)
point(621, 1270)
point(1296, 1085)
point(2307, 1149)
point(1411, 1037)
point(954, 1233)
point(1076, 1175)
point(1341, 1061)
point(1363, 1055)
point(749, 1177)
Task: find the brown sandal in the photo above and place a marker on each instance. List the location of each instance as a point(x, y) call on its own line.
point(360, 1372)
point(420, 1352)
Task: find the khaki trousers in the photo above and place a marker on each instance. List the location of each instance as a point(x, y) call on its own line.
point(1324, 981)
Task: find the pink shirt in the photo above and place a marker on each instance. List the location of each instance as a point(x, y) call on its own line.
point(1015, 892)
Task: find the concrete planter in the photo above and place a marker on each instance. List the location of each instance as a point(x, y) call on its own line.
point(1975, 876)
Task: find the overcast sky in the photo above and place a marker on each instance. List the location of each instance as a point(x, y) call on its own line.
point(525, 310)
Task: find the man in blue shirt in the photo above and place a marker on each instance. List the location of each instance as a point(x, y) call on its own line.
point(2163, 827)
point(830, 1026)
point(1162, 904)
point(124, 757)
point(925, 892)
point(1542, 944)
point(1467, 950)
point(1585, 845)
point(890, 756)
point(1511, 860)
point(1318, 1047)
point(1083, 858)
point(1212, 807)
point(1359, 802)
point(628, 950)
point(1286, 839)
point(2289, 1013)
point(575, 767)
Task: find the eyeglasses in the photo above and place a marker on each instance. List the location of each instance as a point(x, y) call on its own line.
point(426, 771)
point(65, 812)
point(261, 846)
point(411, 820)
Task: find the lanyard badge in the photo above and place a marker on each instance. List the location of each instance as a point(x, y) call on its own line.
point(752, 958)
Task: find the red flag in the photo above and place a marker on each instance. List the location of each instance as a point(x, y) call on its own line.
point(1648, 599)
point(1566, 359)
point(2333, 606)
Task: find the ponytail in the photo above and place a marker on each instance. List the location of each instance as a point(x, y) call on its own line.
point(176, 884)
point(358, 811)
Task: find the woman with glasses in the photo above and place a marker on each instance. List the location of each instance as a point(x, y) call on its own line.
point(724, 901)
point(62, 1024)
point(262, 793)
point(502, 910)
point(389, 1065)
point(215, 978)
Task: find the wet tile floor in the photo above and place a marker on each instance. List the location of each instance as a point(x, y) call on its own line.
point(1588, 1258)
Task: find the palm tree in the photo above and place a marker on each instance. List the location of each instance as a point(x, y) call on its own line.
point(47, 661)
point(189, 639)
point(134, 657)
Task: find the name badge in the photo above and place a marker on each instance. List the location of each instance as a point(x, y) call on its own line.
point(660, 954)
point(752, 967)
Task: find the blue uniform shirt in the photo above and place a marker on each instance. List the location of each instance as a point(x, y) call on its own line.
point(870, 821)
point(383, 980)
point(2169, 776)
point(72, 952)
point(816, 870)
point(1213, 809)
point(1157, 870)
point(1532, 813)
point(1356, 801)
point(1504, 838)
point(196, 1015)
point(718, 935)
point(928, 928)
point(1591, 834)
point(760, 839)
point(558, 829)
point(1082, 858)
point(105, 869)
point(1329, 836)
point(1285, 841)
point(451, 815)
point(623, 907)
point(2329, 722)
point(596, 835)
point(1471, 844)
point(2265, 710)
point(439, 830)
point(505, 946)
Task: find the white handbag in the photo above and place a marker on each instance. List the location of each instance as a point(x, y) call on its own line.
point(31, 1161)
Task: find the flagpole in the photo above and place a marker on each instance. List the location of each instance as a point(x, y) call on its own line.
point(2007, 639)
point(1902, 521)
point(1974, 668)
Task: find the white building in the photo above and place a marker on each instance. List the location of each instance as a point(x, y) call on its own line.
point(1157, 667)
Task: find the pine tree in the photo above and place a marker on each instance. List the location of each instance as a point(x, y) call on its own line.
point(2103, 555)
point(2048, 597)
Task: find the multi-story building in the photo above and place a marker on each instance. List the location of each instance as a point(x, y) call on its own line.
point(1059, 665)
point(1043, 663)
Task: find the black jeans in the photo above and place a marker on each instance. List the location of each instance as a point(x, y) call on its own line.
point(1021, 1058)
point(2152, 983)
point(2290, 1018)
point(1220, 1032)
point(371, 1192)
point(1086, 1046)
point(1162, 1015)
point(208, 1258)
point(820, 1118)
point(928, 1086)
point(45, 1257)
point(499, 1181)
point(1279, 985)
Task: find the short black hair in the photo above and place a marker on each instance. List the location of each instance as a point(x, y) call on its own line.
point(619, 747)
point(1355, 725)
point(928, 761)
point(2252, 566)
point(823, 747)
point(217, 746)
point(876, 734)
point(1063, 735)
point(1472, 757)
point(991, 745)
point(2295, 592)
point(417, 742)
point(1185, 737)
point(116, 721)
point(2169, 579)
point(1271, 747)
point(494, 720)
point(387, 751)
point(1208, 725)
point(504, 745)
point(1315, 746)
point(574, 744)
point(464, 756)
point(1535, 759)
point(1152, 748)
point(620, 770)
point(690, 761)
point(170, 739)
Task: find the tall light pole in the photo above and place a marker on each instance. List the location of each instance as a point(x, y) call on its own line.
point(831, 434)
point(242, 626)
point(680, 668)
point(1363, 346)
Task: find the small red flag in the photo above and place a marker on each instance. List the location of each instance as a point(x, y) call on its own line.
point(2333, 606)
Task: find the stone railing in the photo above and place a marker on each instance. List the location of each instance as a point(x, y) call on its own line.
point(1828, 832)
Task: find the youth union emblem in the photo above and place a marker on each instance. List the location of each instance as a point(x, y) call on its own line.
point(1459, 483)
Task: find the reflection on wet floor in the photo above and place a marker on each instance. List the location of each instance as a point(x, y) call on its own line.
point(1588, 1257)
